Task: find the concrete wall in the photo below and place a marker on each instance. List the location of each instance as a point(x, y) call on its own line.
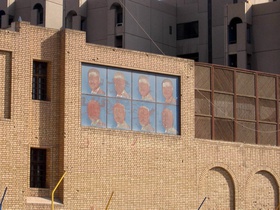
point(265, 37)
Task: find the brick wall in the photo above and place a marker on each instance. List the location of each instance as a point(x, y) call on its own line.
point(139, 170)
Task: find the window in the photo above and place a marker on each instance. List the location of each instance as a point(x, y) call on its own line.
point(170, 30)
point(69, 19)
point(2, 13)
point(140, 101)
point(38, 159)
point(187, 30)
point(40, 13)
point(249, 61)
point(118, 14)
point(232, 60)
point(83, 24)
point(119, 41)
point(249, 33)
point(39, 81)
point(232, 30)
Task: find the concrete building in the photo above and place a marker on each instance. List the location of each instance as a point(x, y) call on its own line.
point(236, 33)
point(132, 130)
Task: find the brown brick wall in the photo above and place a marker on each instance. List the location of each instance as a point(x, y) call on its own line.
point(142, 170)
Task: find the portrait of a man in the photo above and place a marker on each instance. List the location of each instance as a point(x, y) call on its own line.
point(119, 116)
point(167, 121)
point(94, 82)
point(93, 111)
point(144, 119)
point(167, 91)
point(144, 88)
point(119, 85)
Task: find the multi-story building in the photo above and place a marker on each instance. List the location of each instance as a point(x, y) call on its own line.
point(131, 130)
point(236, 33)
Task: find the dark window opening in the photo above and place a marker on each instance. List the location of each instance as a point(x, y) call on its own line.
point(232, 60)
point(192, 56)
point(235, 1)
point(187, 30)
point(2, 13)
point(83, 24)
point(119, 41)
point(232, 30)
point(249, 33)
point(11, 19)
point(170, 30)
point(118, 14)
point(40, 13)
point(39, 81)
point(249, 61)
point(38, 165)
point(69, 19)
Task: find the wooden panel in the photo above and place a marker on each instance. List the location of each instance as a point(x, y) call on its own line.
point(245, 108)
point(266, 87)
point(202, 102)
point(203, 127)
point(246, 132)
point(224, 129)
point(267, 110)
point(267, 134)
point(223, 80)
point(223, 105)
point(202, 77)
point(245, 84)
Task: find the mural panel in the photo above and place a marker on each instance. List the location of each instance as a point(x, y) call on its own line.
point(129, 100)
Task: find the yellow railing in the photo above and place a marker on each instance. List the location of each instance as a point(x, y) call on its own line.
point(107, 207)
point(56, 188)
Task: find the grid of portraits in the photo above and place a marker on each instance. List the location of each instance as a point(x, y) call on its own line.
point(129, 100)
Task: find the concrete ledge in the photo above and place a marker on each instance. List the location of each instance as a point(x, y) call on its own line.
point(42, 200)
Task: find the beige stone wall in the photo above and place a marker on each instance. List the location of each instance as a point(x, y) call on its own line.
point(144, 171)
point(31, 123)
point(139, 170)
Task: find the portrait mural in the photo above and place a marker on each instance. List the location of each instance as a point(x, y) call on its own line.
point(119, 113)
point(143, 116)
point(125, 99)
point(93, 111)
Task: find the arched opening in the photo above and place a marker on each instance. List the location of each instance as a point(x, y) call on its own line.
point(40, 13)
point(118, 13)
point(232, 30)
point(262, 191)
point(1, 14)
point(69, 19)
point(219, 189)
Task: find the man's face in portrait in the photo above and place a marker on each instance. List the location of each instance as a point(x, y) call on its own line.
point(167, 118)
point(144, 87)
point(119, 113)
point(93, 80)
point(167, 89)
point(93, 110)
point(143, 116)
point(119, 83)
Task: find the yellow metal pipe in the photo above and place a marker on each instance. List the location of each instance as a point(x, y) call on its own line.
point(109, 201)
point(55, 189)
